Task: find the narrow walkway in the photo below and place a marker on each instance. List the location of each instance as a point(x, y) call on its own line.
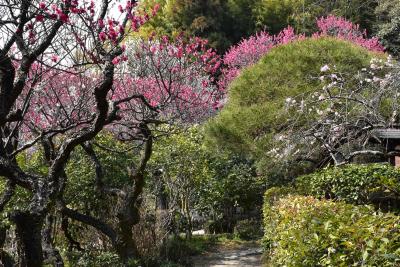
point(239, 257)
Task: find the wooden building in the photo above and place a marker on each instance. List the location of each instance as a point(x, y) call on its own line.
point(391, 140)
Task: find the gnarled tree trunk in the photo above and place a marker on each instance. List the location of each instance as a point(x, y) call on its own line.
point(29, 238)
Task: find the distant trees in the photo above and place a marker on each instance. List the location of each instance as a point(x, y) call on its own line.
point(196, 179)
point(275, 15)
point(226, 22)
point(223, 23)
point(388, 25)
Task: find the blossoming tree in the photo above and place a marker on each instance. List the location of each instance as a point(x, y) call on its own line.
point(62, 81)
point(165, 82)
point(348, 114)
point(44, 43)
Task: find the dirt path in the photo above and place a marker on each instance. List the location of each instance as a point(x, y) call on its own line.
point(245, 255)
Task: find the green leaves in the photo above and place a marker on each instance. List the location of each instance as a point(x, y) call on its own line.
point(216, 181)
point(388, 26)
point(310, 232)
point(222, 22)
point(357, 184)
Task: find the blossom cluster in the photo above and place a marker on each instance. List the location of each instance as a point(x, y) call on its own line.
point(175, 76)
point(346, 30)
point(98, 31)
point(60, 100)
point(250, 50)
point(345, 110)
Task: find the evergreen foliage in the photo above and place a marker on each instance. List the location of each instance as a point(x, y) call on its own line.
point(255, 113)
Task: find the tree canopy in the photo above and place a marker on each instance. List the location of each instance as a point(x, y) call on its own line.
point(255, 112)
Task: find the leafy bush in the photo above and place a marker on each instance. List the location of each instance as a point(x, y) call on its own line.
point(248, 229)
point(358, 184)
point(304, 231)
point(275, 193)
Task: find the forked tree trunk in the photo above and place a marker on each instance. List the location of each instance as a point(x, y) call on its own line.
point(129, 214)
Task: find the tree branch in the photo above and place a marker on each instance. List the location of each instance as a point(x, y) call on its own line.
point(89, 220)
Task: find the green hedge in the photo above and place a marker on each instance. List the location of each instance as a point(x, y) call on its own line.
point(304, 231)
point(377, 184)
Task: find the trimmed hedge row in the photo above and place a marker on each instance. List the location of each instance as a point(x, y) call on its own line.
point(377, 184)
point(304, 231)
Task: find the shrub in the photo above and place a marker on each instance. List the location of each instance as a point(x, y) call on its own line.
point(94, 259)
point(248, 229)
point(304, 231)
point(275, 193)
point(377, 184)
point(256, 111)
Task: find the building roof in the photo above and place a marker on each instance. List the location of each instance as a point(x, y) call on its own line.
point(388, 133)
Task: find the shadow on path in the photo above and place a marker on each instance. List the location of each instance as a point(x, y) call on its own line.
point(245, 255)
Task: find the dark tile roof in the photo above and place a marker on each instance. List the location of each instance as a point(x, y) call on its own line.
point(387, 133)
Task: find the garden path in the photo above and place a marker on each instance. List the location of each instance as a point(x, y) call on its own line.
point(246, 255)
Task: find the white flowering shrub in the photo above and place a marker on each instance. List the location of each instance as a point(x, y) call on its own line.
point(341, 119)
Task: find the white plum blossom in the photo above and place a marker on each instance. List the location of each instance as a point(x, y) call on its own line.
point(325, 68)
point(337, 106)
point(374, 66)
